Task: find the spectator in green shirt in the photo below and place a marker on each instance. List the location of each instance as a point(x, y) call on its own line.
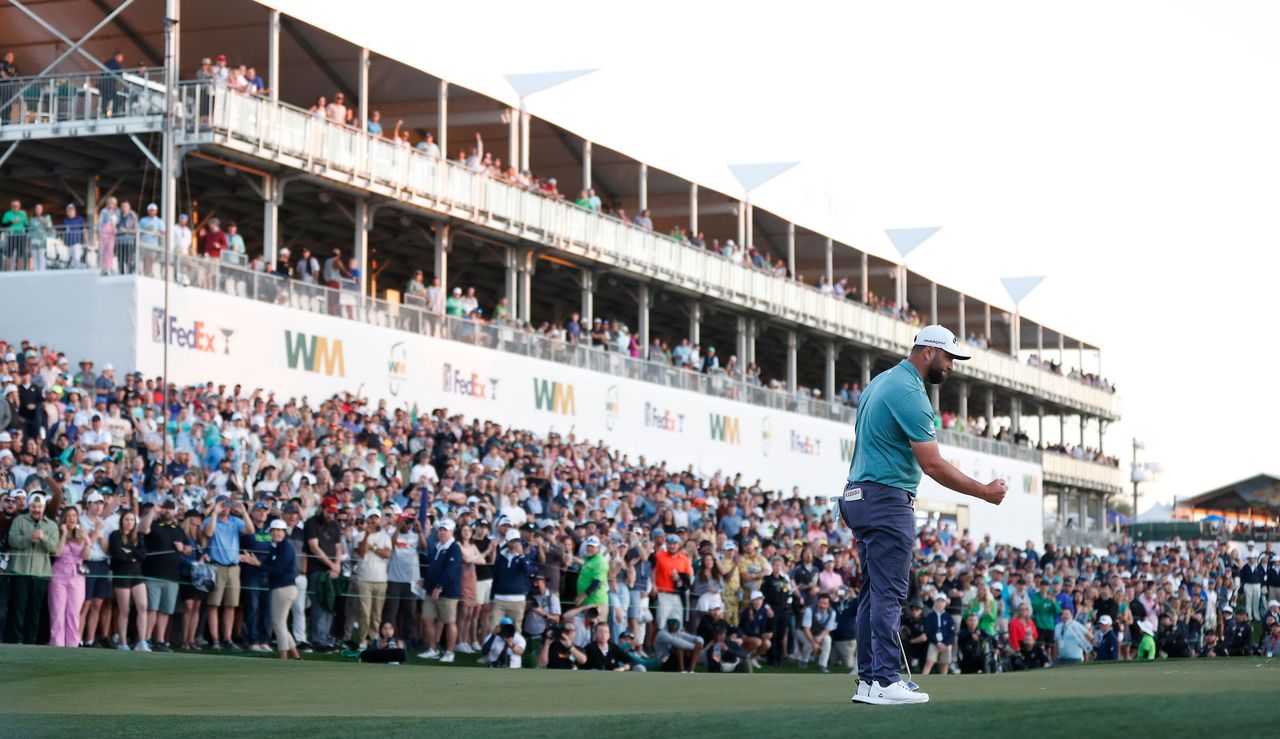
point(593, 580)
point(14, 220)
point(1045, 610)
point(1146, 647)
point(453, 306)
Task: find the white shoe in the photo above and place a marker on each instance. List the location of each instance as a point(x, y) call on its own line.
point(448, 657)
point(123, 647)
point(475, 647)
point(429, 654)
point(755, 663)
point(143, 647)
point(465, 648)
point(895, 694)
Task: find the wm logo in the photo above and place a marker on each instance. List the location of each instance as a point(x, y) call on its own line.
point(314, 354)
point(554, 397)
point(725, 428)
point(846, 450)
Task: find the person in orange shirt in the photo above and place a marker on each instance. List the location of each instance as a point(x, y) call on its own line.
point(672, 573)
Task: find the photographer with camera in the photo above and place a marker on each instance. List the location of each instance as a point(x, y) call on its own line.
point(558, 651)
point(505, 647)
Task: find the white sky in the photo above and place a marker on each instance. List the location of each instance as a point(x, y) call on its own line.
point(1128, 150)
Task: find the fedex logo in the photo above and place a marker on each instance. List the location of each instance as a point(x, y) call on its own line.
point(196, 335)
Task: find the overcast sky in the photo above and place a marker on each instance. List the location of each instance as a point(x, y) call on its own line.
point(1126, 149)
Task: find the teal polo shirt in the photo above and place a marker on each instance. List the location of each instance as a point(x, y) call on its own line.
point(893, 412)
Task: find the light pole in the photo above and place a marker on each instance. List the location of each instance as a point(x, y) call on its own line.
point(1144, 472)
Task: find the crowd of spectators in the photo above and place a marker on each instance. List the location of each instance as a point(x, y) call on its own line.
point(212, 517)
point(1088, 378)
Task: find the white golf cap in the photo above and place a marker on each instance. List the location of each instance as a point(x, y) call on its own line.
point(513, 535)
point(756, 594)
point(940, 337)
point(1273, 603)
point(592, 541)
point(446, 524)
point(1146, 628)
point(1105, 620)
point(278, 524)
point(94, 497)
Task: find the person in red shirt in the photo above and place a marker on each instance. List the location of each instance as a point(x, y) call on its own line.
point(1021, 627)
point(213, 239)
point(668, 566)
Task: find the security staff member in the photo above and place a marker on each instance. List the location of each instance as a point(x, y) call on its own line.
point(895, 444)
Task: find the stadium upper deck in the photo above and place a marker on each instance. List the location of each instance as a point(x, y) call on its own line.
point(292, 178)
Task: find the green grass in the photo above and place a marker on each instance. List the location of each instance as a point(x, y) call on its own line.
point(48, 692)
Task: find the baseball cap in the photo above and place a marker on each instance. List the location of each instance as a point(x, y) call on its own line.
point(592, 541)
point(729, 545)
point(1146, 628)
point(446, 524)
point(940, 337)
point(513, 535)
point(1104, 619)
point(35, 498)
point(278, 524)
point(94, 497)
point(756, 594)
point(673, 539)
point(626, 635)
point(1228, 609)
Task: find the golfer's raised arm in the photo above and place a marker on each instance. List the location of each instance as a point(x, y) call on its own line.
point(946, 475)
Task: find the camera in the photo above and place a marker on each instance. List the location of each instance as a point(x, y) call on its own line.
point(507, 631)
point(60, 476)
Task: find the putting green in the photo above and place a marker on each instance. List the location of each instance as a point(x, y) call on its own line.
point(64, 691)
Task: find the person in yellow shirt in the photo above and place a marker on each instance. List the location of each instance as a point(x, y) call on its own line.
point(731, 594)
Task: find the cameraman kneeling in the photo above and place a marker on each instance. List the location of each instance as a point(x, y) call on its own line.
point(504, 647)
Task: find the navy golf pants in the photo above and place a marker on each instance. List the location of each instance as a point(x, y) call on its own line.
point(883, 519)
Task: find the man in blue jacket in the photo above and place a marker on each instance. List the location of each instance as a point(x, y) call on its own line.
point(442, 581)
point(510, 581)
point(940, 629)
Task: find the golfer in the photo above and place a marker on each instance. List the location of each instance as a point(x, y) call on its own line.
point(895, 442)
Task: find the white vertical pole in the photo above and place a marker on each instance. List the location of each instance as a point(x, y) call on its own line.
point(273, 55)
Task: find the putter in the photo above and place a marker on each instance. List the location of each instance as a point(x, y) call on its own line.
point(911, 684)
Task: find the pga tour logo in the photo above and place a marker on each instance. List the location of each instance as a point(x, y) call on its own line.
point(197, 335)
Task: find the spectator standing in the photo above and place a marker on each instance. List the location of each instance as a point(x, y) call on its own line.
point(281, 568)
point(308, 268)
point(322, 535)
point(672, 570)
point(226, 521)
point(1071, 639)
point(374, 550)
point(593, 579)
point(66, 588)
point(73, 226)
point(166, 545)
point(442, 579)
point(182, 235)
point(402, 572)
point(33, 537)
point(127, 551)
point(151, 228)
point(255, 545)
point(940, 629)
point(510, 581)
point(1108, 646)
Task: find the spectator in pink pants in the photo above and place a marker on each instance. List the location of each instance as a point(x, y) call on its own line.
point(66, 588)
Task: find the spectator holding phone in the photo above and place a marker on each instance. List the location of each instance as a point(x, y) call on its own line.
point(66, 588)
point(227, 519)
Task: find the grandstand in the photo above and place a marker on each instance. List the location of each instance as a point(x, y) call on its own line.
point(477, 193)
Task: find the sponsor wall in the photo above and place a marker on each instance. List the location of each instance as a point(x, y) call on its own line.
point(295, 353)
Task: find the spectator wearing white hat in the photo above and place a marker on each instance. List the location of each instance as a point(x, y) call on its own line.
point(442, 581)
point(672, 572)
point(593, 578)
point(510, 581)
point(1108, 645)
point(373, 547)
point(33, 537)
point(1252, 575)
point(281, 568)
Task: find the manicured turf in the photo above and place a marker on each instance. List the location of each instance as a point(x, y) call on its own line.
point(48, 692)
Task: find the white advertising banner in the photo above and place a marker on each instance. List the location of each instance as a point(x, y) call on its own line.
point(295, 353)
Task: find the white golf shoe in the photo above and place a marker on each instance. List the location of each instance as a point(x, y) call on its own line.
point(894, 694)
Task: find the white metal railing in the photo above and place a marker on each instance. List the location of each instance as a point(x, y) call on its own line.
point(988, 446)
point(81, 97)
point(1085, 473)
point(293, 136)
point(224, 277)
